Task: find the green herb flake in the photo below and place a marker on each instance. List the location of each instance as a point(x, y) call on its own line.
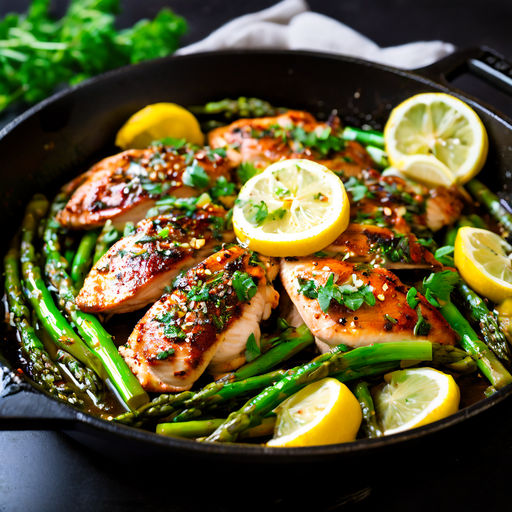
point(244, 286)
point(165, 354)
point(246, 171)
point(195, 176)
point(411, 298)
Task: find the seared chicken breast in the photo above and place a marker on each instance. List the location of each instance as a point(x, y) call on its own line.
point(361, 305)
point(206, 319)
point(136, 269)
point(124, 186)
point(294, 134)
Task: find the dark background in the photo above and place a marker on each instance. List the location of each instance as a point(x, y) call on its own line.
point(47, 471)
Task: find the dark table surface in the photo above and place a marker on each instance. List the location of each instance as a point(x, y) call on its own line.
point(48, 471)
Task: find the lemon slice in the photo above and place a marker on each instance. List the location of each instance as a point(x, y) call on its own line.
point(414, 397)
point(324, 412)
point(427, 169)
point(483, 260)
point(295, 207)
point(440, 126)
point(158, 121)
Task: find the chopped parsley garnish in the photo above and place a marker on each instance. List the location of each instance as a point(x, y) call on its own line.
point(439, 285)
point(222, 188)
point(357, 189)
point(281, 191)
point(199, 292)
point(396, 249)
point(422, 327)
point(195, 176)
point(349, 295)
point(244, 286)
point(444, 255)
point(411, 298)
point(246, 171)
point(164, 232)
point(257, 213)
point(252, 350)
point(170, 142)
point(171, 330)
point(165, 354)
point(212, 154)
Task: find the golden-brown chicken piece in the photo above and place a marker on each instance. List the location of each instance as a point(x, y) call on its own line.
point(205, 320)
point(382, 247)
point(136, 269)
point(361, 305)
point(124, 186)
point(294, 134)
point(390, 201)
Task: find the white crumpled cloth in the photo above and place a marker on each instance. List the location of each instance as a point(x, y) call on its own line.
point(290, 25)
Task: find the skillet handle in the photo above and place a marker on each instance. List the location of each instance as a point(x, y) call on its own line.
point(483, 62)
point(22, 407)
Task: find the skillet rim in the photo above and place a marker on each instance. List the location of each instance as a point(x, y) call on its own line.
point(252, 451)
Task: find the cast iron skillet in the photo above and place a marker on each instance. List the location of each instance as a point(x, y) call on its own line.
point(60, 137)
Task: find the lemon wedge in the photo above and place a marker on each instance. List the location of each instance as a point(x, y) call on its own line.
point(414, 397)
point(324, 412)
point(483, 260)
point(439, 126)
point(158, 121)
point(293, 208)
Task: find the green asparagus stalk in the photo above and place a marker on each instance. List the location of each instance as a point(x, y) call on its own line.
point(40, 297)
point(365, 137)
point(109, 234)
point(491, 201)
point(201, 428)
point(488, 322)
point(379, 156)
point(235, 108)
point(438, 287)
point(370, 424)
point(473, 220)
point(42, 369)
point(83, 258)
point(215, 392)
point(453, 358)
point(85, 379)
point(336, 363)
point(289, 343)
point(90, 328)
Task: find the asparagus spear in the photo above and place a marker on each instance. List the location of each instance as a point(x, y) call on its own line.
point(370, 424)
point(109, 234)
point(453, 358)
point(289, 343)
point(336, 363)
point(488, 322)
point(379, 156)
point(90, 328)
point(473, 220)
point(366, 137)
point(40, 297)
point(491, 201)
point(83, 258)
point(215, 392)
point(438, 287)
point(85, 378)
point(235, 108)
point(42, 369)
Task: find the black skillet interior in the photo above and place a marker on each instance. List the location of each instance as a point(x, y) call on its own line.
point(59, 138)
